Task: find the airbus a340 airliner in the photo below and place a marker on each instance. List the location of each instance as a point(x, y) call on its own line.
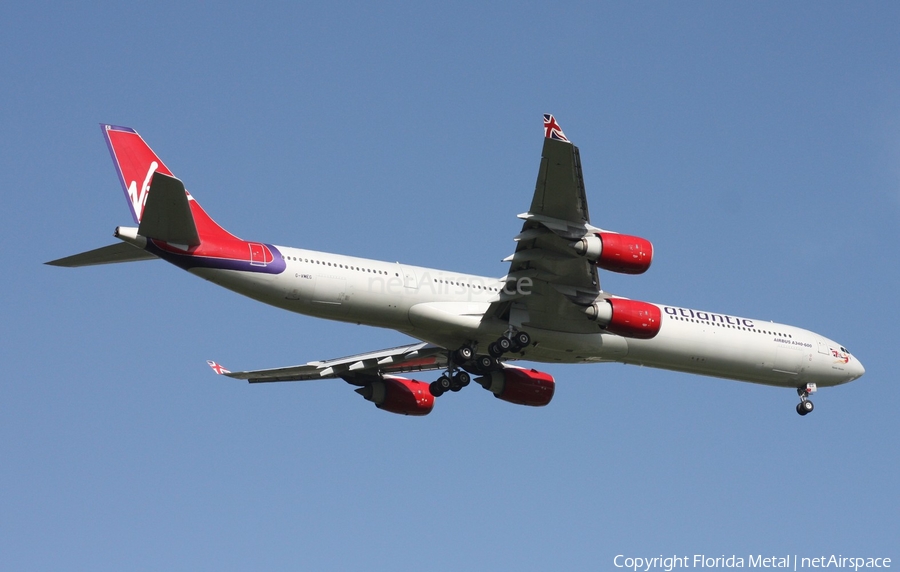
point(549, 306)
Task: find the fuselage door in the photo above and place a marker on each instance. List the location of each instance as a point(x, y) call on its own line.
point(823, 348)
point(329, 295)
point(409, 278)
point(257, 254)
point(787, 360)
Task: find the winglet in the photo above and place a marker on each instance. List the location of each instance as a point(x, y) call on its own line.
point(552, 130)
point(218, 369)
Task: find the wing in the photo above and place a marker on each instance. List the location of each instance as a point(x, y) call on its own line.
point(417, 357)
point(547, 278)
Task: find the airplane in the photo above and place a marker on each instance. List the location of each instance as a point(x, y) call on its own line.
point(548, 307)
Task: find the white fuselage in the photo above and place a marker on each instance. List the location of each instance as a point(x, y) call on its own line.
point(447, 309)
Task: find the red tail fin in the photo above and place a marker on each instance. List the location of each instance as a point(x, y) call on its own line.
point(135, 163)
point(178, 230)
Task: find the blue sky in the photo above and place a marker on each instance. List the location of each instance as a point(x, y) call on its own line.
point(756, 144)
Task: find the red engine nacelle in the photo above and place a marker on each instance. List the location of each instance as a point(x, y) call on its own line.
point(628, 318)
point(399, 395)
point(520, 386)
point(621, 253)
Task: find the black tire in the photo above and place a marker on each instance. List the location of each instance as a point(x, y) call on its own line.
point(464, 354)
point(444, 383)
point(522, 339)
point(805, 407)
point(462, 378)
point(435, 389)
point(485, 363)
point(515, 349)
point(494, 350)
point(504, 344)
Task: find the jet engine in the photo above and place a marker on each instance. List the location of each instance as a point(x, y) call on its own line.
point(616, 252)
point(399, 395)
point(627, 318)
point(520, 386)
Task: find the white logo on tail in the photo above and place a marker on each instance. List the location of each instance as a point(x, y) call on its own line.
point(138, 199)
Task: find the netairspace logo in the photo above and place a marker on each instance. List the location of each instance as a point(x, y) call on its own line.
point(787, 562)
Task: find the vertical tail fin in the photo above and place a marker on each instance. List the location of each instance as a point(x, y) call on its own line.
point(174, 225)
point(135, 163)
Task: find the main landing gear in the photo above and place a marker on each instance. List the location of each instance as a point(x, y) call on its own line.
point(456, 378)
point(450, 381)
point(805, 406)
point(509, 343)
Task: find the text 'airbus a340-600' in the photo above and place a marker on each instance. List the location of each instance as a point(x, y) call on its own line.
point(547, 308)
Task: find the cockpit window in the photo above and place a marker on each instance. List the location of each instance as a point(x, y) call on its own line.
point(843, 349)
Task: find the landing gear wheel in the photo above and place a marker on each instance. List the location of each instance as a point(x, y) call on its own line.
point(435, 389)
point(495, 350)
point(444, 383)
point(455, 386)
point(504, 344)
point(516, 348)
point(485, 363)
point(522, 339)
point(464, 354)
point(804, 407)
point(462, 379)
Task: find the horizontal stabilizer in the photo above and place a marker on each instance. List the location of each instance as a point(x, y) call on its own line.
point(167, 214)
point(120, 252)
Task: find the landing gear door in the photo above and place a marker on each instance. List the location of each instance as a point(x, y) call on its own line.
point(409, 278)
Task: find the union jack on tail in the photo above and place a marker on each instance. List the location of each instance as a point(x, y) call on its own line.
point(552, 130)
point(217, 368)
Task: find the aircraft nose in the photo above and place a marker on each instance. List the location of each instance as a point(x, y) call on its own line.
point(857, 370)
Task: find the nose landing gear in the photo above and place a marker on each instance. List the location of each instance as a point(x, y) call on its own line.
point(805, 406)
